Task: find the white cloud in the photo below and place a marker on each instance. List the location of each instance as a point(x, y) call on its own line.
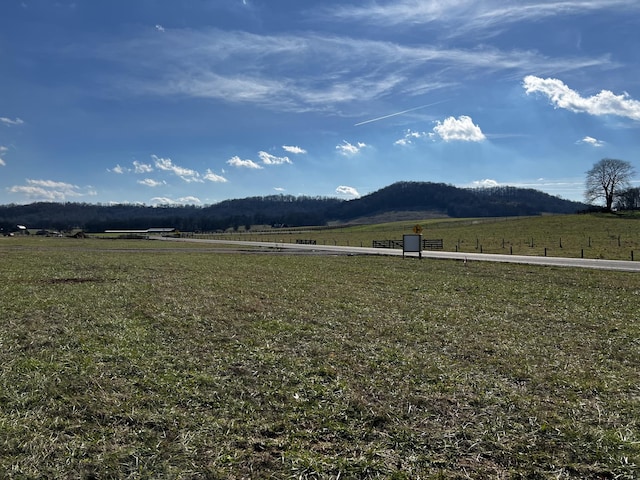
point(238, 162)
point(345, 190)
point(149, 182)
point(185, 174)
point(49, 190)
point(591, 141)
point(10, 122)
point(348, 149)
point(212, 177)
point(461, 129)
point(269, 159)
point(603, 103)
point(159, 28)
point(117, 169)
point(3, 150)
point(464, 16)
point(284, 74)
point(486, 183)
point(294, 149)
point(409, 137)
point(279, 189)
point(189, 200)
point(139, 167)
point(162, 201)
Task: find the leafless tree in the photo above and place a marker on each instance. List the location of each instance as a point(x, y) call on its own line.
point(606, 179)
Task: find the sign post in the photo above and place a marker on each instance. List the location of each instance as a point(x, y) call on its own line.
point(412, 243)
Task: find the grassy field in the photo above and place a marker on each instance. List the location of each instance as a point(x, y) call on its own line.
point(613, 237)
point(134, 359)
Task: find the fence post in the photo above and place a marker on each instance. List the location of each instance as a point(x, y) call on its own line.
point(582, 253)
point(545, 251)
point(511, 250)
point(632, 255)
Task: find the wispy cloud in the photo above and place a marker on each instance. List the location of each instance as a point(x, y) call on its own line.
point(464, 16)
point(188, 200)
point(50, 190)
point(3, 150)
point(348, 149)
point(459, 129)
point(149, 182)
point(163, 201)
point(293, 149)
point(139, 167)
point(281, 72)
point(159, 28)
point(213, 177)
point(591, 141)
point(11, 122)
point(604, 103)
point(186, 174)
point(236, 161)
point(348, 191)
point(409, 137)
point(120, 170)
point(269, 159)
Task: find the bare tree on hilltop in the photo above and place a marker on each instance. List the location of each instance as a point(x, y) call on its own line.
point(607, 179)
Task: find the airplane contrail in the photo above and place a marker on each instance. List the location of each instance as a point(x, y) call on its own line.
point(398, 113)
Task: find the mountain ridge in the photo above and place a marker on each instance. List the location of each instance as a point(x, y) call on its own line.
point(437, 198)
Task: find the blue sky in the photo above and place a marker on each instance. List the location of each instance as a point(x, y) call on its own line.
point(195, 102)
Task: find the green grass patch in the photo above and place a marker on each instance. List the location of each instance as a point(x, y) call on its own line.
point(179, 362)
point(605, 236)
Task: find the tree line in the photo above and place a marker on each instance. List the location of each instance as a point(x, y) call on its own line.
point(287, 210)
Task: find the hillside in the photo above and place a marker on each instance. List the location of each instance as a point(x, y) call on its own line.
point(437, 198)
point(455, 202)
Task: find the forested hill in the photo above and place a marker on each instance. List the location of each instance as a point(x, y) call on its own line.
point(289, 210)
point(456, 202)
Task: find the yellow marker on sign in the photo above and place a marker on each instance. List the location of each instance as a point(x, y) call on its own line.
point(417, 229)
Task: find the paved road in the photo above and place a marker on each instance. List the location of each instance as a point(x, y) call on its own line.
point(619, 265)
